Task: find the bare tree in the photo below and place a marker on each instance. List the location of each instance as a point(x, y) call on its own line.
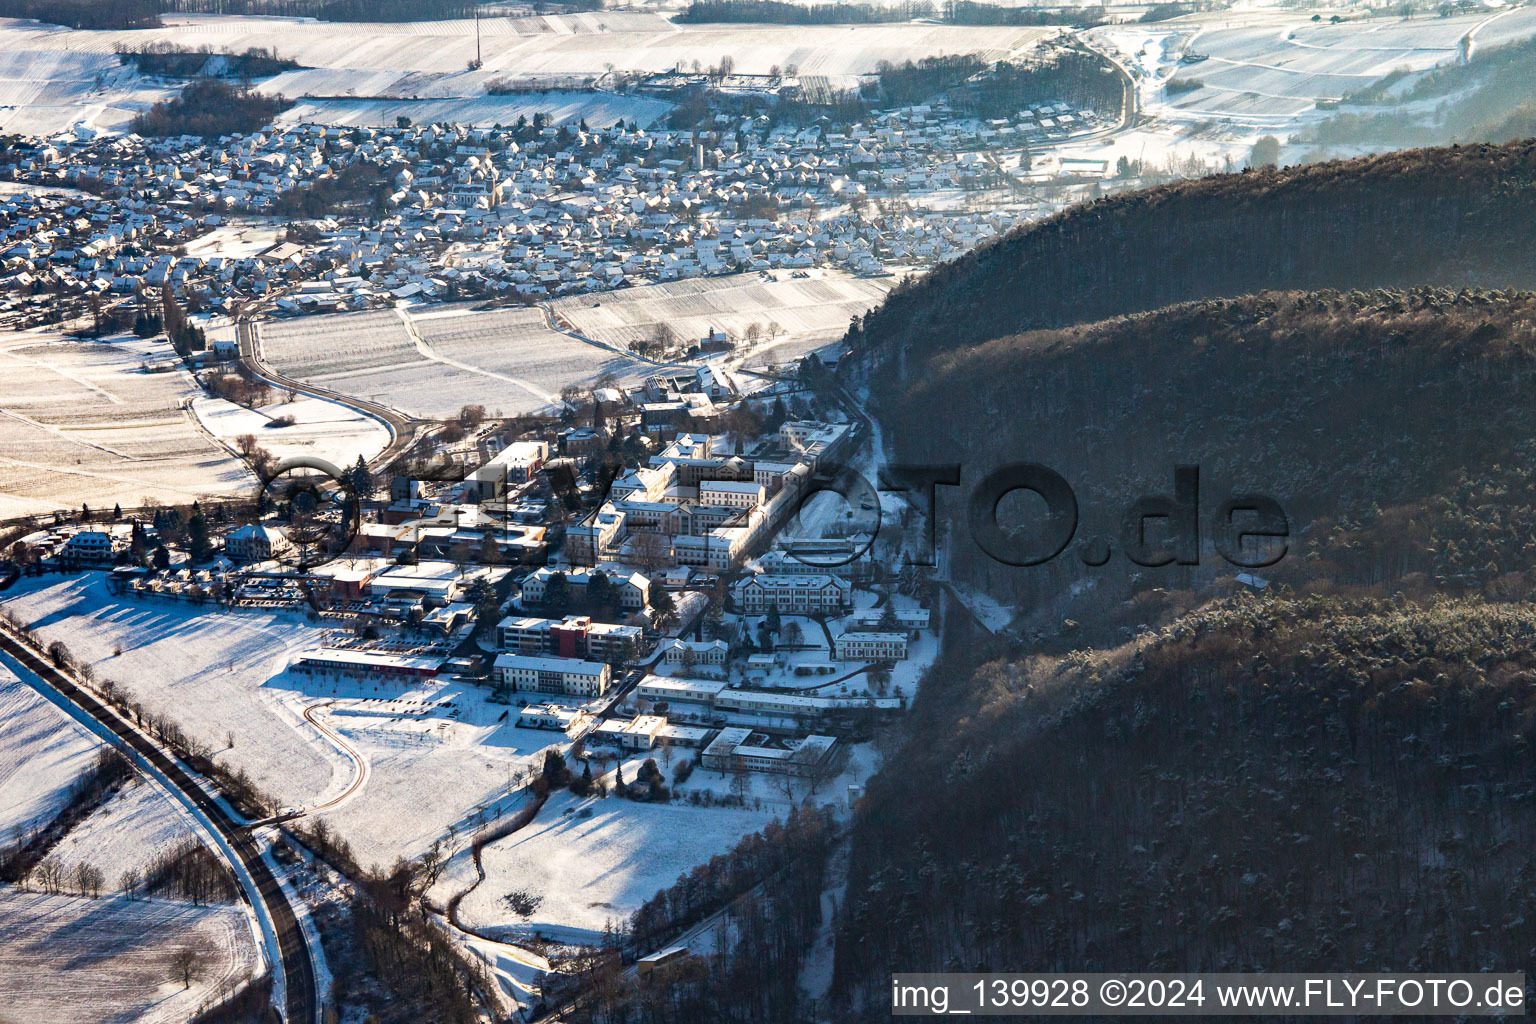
point(188, 964)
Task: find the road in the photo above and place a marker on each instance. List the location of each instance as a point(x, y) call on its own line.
point(364, 769)
point(301, 1004)
point(402, 429)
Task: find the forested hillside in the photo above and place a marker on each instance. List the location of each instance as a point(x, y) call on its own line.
point(1394, 428)
point(1459, 216)
point(1265, 784)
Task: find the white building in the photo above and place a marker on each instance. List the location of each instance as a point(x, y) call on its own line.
point(731, 493)
point(872, 647)
point(793, 595)
point(570, 676)
point(705, 652)
point(257, 542)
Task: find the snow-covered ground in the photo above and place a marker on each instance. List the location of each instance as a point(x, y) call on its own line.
point(83, 423)
point(73, 960)
point(811, 308)
point(42, 753)
point(433, 360)
point(321, 428)
point(52, 78)
point(128, 831)
point(439, 757)
point(216, 673)
point(596, 860)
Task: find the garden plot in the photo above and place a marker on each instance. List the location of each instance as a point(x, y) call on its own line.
point(594, 861)
point(810, 310)
point(84, 423)
point(42, 753)
point(321, 429)
point(73, 960)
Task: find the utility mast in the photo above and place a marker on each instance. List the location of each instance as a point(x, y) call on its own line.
point(477, 62)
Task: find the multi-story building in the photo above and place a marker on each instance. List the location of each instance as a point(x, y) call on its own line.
point(632, 588)
point(731, 493)
point(704, 652)
point(257, 542)
point(733, 750)
point(872, 647)
point(570, 676)
point(89, 546)
point(344, 665)
point(793, 595)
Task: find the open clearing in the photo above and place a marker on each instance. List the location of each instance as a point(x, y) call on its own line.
point(42, 753)
point(596, 860)
point(432, 361)
point(811, 309)
point(321, 429)
point(72, 960)
point(129, 830)
point(82, 423)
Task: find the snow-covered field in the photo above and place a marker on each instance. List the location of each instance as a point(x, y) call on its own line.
point(42, 753)
point(507, 360)
point(73, 960)
point(810, 310)
point(46, 89)
point(439, 756)
point(598, 109)
point(216, 673)
point(130, 830)
point(1271, 68)
point(321, 429)
point(81, 422)
point(51, 78)
point(596, 860)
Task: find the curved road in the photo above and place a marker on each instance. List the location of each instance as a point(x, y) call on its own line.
point(402, 429)
point(364, 770)
point(298, 974)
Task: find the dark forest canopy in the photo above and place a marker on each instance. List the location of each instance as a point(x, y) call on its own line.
point(95, 14)
point(1351, 409)
point(1267, 784)
point(1457, 216)
point(954, 12)
point(210, 108)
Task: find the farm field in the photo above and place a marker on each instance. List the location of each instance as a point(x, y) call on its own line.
point(73, 960)
point(48, 89)
point(596, 108)
point(1272, 68)
point(322, 429)
point(370, 73)
point(42, 753)
point(82, 423)
point(433, 360)
point(811, 310)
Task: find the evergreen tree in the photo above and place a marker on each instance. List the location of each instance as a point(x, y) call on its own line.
point(199, 546)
